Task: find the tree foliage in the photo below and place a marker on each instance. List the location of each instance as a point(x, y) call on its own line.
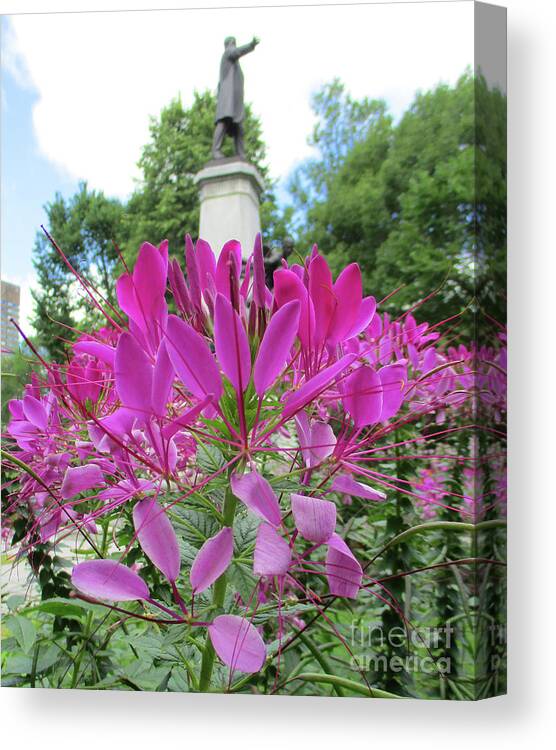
point(86, 228)
point(406, 200)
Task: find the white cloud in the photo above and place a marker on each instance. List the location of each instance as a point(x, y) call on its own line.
point(99, 76)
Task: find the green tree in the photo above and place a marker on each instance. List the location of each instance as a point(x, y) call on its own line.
point(86, 228)
point(342, 124)
point(405, 200)
point(16, 373)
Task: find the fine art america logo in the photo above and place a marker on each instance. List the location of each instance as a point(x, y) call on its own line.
point(423, 650)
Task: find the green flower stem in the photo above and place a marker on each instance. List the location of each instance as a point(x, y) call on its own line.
point(79, 656)
point(445, 525)
point(355, 687)
point(218, 597)
point(321, 660)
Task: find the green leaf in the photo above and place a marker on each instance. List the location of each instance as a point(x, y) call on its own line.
point(14, 601)
point(245, 532)
point(209, 458)
point(196, 527)
point(188, 552)
point(242, 580)
point(62, 608)
point(47, 659)
point(23, 631)
point(17, 665)
point(162, 686)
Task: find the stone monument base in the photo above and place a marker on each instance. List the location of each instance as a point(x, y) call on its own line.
point(229, 194)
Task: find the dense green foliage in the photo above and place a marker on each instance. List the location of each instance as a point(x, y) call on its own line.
point(406, 200)
point(86, 227)
point(16, 373)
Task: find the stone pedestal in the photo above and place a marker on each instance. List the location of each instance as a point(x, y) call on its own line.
point(229, 193)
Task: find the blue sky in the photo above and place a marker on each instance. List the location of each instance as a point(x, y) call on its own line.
point(74, 109)
point(28, 179)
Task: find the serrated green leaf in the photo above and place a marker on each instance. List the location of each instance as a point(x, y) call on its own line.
point(209, 458)
point(188, 552)
point(23, 631)
point(245, 532)
point(196, 526)
point(62, 609)
point(242, 580)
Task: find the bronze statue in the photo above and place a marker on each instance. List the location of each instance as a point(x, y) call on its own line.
point(229, 108)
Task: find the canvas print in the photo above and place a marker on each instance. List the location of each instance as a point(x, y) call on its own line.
point(254, 351)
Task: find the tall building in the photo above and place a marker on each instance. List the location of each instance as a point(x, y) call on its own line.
point(10, 309)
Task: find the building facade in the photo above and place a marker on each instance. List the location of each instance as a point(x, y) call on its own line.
point(10, 310)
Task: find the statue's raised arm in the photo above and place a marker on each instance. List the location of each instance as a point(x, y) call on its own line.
point(237, 52)
point(230, 110)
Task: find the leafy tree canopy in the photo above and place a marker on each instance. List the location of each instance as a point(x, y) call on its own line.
point(409, 201)
point(86, 227)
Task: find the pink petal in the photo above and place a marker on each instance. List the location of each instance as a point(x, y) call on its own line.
point(364, 316)
point(259, 283)
point(231, 344)
point(206, 263)
point(393, 379)
point(212, 560)
point(108, 579)
point(246, 283)
point(230, 255)
point(35, 412)
point(317, 441)
point(272, 553)
point(348, 291)
point(15, 407)
point(257, 494)
point(276, 346)
point(288, 287)
point(179, 288)
point(363, 396)
point(133, 374)
point(349, 486)
point(322, 442)
point(238, 643)
point(314, 518)
point(150, 275)
point(192, 273)
point(103, 352)
point(80, 479)
point(157, 537)
point(163, 377)
point(188, 417)
point(315, 386)
point(374, 329)
point(50, 524)
point(322, 295)
point(192, 359)
point(343, 571)
point(127, 299)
